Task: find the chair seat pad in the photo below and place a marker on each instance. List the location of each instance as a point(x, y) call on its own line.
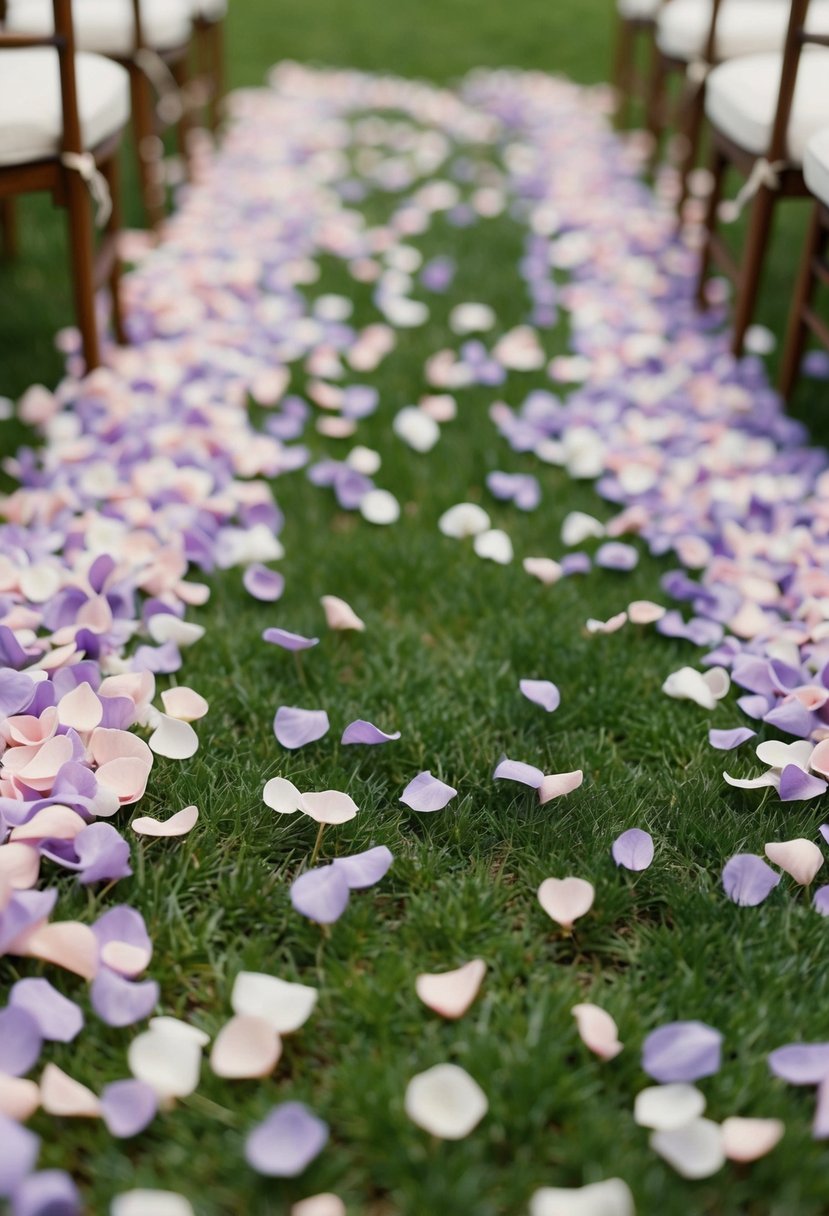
point(210, 10)
point(816, 166)
point(744, 27)
point(31, 117)
point(639, 10)
point(108, 26)
point(741, 100)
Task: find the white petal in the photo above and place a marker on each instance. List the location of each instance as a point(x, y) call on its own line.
point(174, 739)
point(664, 1107)
point(380, 507)
point(609, 1198)
point(749, 1139)
point(416, 429)
point(687, 684)
point(801, 858)
point(694, 1150)
point(579, 526)
point(166, 627)
point(329, 806)
point(464, 519)
point(778, 754)
point(174, 1026)
point(169, 1062)
point(445, 1101)
point(284, 1005)
point(144, 1202)
point(282, 796)
point(494, 545)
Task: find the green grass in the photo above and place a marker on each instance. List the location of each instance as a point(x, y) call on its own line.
point(447, 639)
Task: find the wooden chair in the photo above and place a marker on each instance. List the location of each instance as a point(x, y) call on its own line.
point(814, 267)
point(635, 22)
point(151, 39)
point(762, 110)
point(208, 26)
point(62, 116)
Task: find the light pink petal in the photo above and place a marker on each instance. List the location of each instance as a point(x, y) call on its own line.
point(126, 959)
point(81, 708)
point(450, 993)
point(611, 625)
point(555, 785)
point(108, 744)
point(544, 569)
point(127, 778)
point(597, 1030)
point(566, 899)
point(67, 943)
point(246, 1046)
point(329, 806)
point(324, 1204)
point(177, 825)
point(644, 612)
point(174, 739)
point(184, 703)
point(340, 615)
point(54, 822)
point(19, 866)
point(801, 858)
point(19, 1098)
point(61, 1095)
point(747, 1140)
point(40, 771)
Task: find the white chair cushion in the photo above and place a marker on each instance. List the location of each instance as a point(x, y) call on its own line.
point(744, 27)
point(210, 10)
point(741, 100)
point(31, 116)
point(816, 166)
point(108, 26)
point(639, 10)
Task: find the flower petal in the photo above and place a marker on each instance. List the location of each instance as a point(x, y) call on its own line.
point(633, 849)
point(682, 1051)
point(295, 727)
point(285, 1006)
point(286, 1142)
point(541, 692)
point(566, 899)
point(361, 731)
point(427, 793)
point(246, 1046)
point(450, 993)
point(178, 824)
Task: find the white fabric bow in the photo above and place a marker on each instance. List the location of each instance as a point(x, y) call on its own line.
point(84, 164)
point(763, 173)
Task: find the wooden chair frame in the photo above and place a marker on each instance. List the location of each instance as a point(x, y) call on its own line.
point(209, 39)
point(629, 85)
point(803, 319)
point(68, 189)
point(745, 272)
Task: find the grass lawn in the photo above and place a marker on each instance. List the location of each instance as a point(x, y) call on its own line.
point(447, 639)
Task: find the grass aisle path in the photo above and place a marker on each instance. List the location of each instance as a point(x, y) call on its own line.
point(447, 639)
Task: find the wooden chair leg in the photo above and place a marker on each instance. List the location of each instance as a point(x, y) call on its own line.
point(623, 69)
point(9, 240)
point(216, 34)
point(817, 238)
point(655, 100)
point(82, 259)
point(719, 165)
point(112, 174)
point(181, 74)
point(694, 112)
point(751, 266)
point(144, 128)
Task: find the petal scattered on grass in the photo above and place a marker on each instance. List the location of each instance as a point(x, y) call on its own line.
point(694, 1150)
point(746, 1140)
point(541, 692)
point(609, 1198)
point(58, 1019)
point(566, 899)
point(361, 731)
point(682, 1051)
point(321, 894)
point(263, 584)
point(426, 793)
point(284, 1005)
point(664, 1107)
point(295, 727)
point(286, 1142)
point(748, 880)
point(801, 1063)
point(288, 640)
point(450, 993)
point(727, 740)
point(362, 870)
point(445, 1101)
point(62, 1095)
point(597, 1030)
point(246, 1046)
point(178, 824)
point(633, 850)
point(128, 1107)
point(329, 806)
point(556, 785)
point(146, 1202)
point(800, 858)
point(340, 615)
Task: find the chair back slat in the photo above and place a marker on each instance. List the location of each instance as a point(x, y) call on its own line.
point(710, 52)
point(788, 79)
point(65, 39)
point(139, 26)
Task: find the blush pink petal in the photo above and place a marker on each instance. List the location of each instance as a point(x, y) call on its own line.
point(611, 625)
point(177, 825)
point(126, 778)
point(61, 1095)
point(801, 858)
point(597, 1030)
point(566, 899)
point(645, 612)
point(81, 708)
point(340, 615)
point(107, 745)
point(544, 569)
point(68, 943)
point(19, 866)
point(329, 806)
point(450, 993)
point(246, 1046)
point(126, 959)
point(184, 703)
point(54, 822)
point(19, 1098)
point(819, 760)
point(41, 770)
point(747, 1140)
point(324, 1204)
point(555, 785)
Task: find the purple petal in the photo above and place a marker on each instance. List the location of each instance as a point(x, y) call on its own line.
point(20, 1041)
point(127, 1107)
point(321, 894)
point(121, 1002)
point(754, 705)
point(263, 584)
point(633, 849)
point(793, 718)
point(361, 731)
point(19, 1150)
point(288, 640)
point(824, 831)
point(286, 1142)
point(103, 854)
point(748, 880)
point(295, 727)
point(820, 901)
point(820, 1123)
point(122, 924)
point(364, 869)
point(726, 740)
point(541, 692)
point(796, 785)
point(16, 691)
point(57, 1018)
point(614, 555)
point(47, 1193)
point(426, 793)
point(682, 1051)
point(516, 770)
point(576, 563)
point(801, 1063)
